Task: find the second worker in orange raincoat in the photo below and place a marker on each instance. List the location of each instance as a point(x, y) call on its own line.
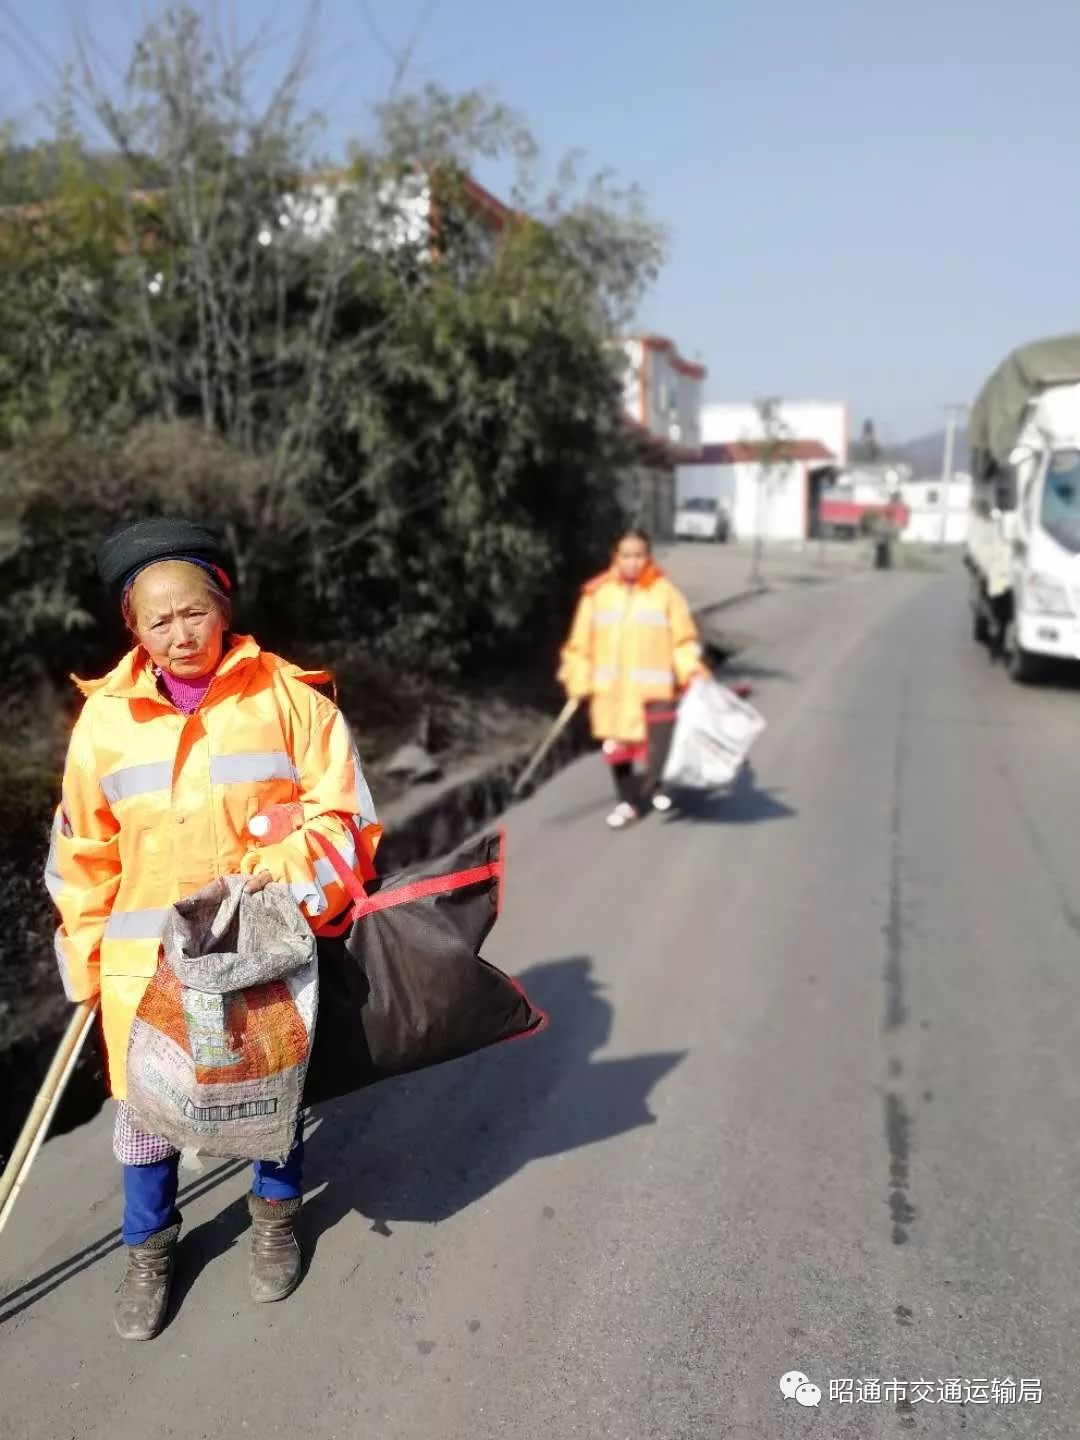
point(633, 640)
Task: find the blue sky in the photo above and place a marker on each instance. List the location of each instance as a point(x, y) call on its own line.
point(869, 201)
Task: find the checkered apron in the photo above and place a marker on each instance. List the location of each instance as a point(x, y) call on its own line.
point(132, 1146)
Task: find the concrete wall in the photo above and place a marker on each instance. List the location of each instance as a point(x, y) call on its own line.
point(673, 400)
point(925, 501)
point(774, 507)
point(710, 482)
point(402, 215)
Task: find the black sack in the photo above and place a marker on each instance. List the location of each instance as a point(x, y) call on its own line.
point(402, 986)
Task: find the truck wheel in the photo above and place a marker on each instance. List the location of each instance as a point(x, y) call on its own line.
point(1023, 667)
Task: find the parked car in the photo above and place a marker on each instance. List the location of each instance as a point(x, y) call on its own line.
point(701, 518)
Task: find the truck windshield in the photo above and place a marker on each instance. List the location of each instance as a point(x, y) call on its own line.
point(1060, 515)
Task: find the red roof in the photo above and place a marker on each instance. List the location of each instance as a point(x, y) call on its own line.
point(745, 452)
point(483, 199)
point(684, 367)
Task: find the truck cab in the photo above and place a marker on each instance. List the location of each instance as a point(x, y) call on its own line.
point(1023, 547)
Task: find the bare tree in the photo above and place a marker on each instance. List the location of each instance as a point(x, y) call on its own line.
point(343, 337)
point(232, 218)
point(774, 454)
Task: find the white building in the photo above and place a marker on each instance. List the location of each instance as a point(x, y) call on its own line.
point(710, 477)
point(825, 421)
point(778, 499)
point(662, 394)
point(934, 517)
point(662, 401)
point(398, 212)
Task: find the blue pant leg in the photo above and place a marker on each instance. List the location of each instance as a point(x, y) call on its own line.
point(281, 1182)
point(150, 1199)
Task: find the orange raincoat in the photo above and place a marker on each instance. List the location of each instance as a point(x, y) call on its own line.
point(629, 644)
point(156, 805)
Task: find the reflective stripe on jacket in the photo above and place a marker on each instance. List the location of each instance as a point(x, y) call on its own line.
point(629, 644)
point(156, 805)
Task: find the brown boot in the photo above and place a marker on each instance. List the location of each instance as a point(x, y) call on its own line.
point(143, 1297)
point(275, 1251)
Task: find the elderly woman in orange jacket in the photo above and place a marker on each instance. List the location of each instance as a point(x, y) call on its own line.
point(194, 733)
point(633, 640)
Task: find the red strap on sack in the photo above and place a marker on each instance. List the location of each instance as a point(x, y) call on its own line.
point(435, 885)
point(365, 904)
point(349, 879)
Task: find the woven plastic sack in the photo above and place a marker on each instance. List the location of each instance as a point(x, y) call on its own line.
point(714, 733)
point(403, 986)
point(219, 1049)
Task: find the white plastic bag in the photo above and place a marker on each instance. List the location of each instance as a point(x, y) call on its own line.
point(714, 733)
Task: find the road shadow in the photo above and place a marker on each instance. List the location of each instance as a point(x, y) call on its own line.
point(722, 657)
point(1053, 675)
point(1062, 676)
point(738, 670)
point(741, 803)
point(31, 1291)
point(744, 802)
point(425, 1147)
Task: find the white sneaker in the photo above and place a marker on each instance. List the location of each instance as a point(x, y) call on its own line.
point(621, 816)
point(661, 802)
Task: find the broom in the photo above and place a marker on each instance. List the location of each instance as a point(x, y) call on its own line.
point(32, 1135)
point(565, 716)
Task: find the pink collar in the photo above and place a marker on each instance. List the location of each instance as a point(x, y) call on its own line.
point(186, 695)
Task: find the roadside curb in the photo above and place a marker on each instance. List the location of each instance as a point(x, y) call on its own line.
point(437, 820)
point(703, 612)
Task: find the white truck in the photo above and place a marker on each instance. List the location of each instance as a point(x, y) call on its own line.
point(1023, 546)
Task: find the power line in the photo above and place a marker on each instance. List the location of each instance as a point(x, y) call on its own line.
point(25, 59)
point(59, 77)
point(29, 37)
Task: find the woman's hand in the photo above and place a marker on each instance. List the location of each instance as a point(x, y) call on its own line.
point(258, 881)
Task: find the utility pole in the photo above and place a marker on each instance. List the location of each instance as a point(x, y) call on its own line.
point(953, 414)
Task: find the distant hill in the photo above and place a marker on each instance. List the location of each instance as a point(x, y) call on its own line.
point(925, 454)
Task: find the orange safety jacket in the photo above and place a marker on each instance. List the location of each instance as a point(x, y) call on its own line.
point(156, 805)
point(629, 644)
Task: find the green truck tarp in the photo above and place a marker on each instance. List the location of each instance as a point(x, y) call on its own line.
point(999, 410)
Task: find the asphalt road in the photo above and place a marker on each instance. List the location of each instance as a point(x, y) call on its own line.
point(809, 1101)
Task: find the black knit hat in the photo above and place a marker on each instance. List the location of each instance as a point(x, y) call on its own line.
point(147, 542)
